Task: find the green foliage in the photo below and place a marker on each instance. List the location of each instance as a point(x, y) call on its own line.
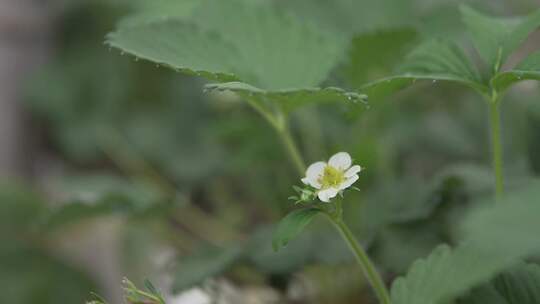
point(134, 295)
point(519, 285)
point(103, 195)
point(528, 69)
point(148, 11)
point(292, 225)
point(266, 50)
point(375, 54)
point(208, 262)
point(30, 274)
point(351, 17)
point(495, 238)
point(496, 38)
point(433, 61)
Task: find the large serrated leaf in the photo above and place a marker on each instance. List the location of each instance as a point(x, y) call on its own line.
point(433, 61)
point(496, 38)
point(264, 50)
point(181, 46)
point(496, 238)
point(528, 69)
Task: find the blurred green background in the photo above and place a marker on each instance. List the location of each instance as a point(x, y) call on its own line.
point(112, 167)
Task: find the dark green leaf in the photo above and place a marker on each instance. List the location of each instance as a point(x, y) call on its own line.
point(292, 225)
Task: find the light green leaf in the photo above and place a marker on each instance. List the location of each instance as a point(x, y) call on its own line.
point(432, 61)
point(496, 38)
point(264, 50)
point(519, 285)
point(528, 69)
point(274, 50)
point(292, 225)
point(206, 263)
point(496, 237)
point(181, 46)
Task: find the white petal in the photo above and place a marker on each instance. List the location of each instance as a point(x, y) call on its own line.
point(313, 174)
point(353, 170)
point(348, 182)
point(327, 194)
point(341, 160)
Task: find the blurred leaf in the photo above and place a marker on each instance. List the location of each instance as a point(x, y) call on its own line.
point(20, 209)
point(528, 69)
point(519, 285)
point(408, 201)
point(31, 276)
point(433, 61)
point(495, 238)
point(103, 195)
point(28, 274)
point(260, 253)
point(496, 38)
point(280, 59)
point(398, 246)
point(374, 55)
point(473, 178)
point(292, 225)
point(208, 262)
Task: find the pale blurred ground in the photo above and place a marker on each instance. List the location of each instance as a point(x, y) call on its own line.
point(26, 41)
point(25, 31)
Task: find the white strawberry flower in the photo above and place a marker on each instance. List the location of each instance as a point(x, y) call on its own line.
point(333, 177)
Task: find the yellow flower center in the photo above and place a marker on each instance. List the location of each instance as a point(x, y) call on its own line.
point(331, 178)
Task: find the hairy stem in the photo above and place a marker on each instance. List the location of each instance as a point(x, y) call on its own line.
point(367, 266)
point(496, 146)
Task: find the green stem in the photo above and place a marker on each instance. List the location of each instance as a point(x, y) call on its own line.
point(279, 123)
point(496, 146)
point(292, 149)
point(368, 268)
